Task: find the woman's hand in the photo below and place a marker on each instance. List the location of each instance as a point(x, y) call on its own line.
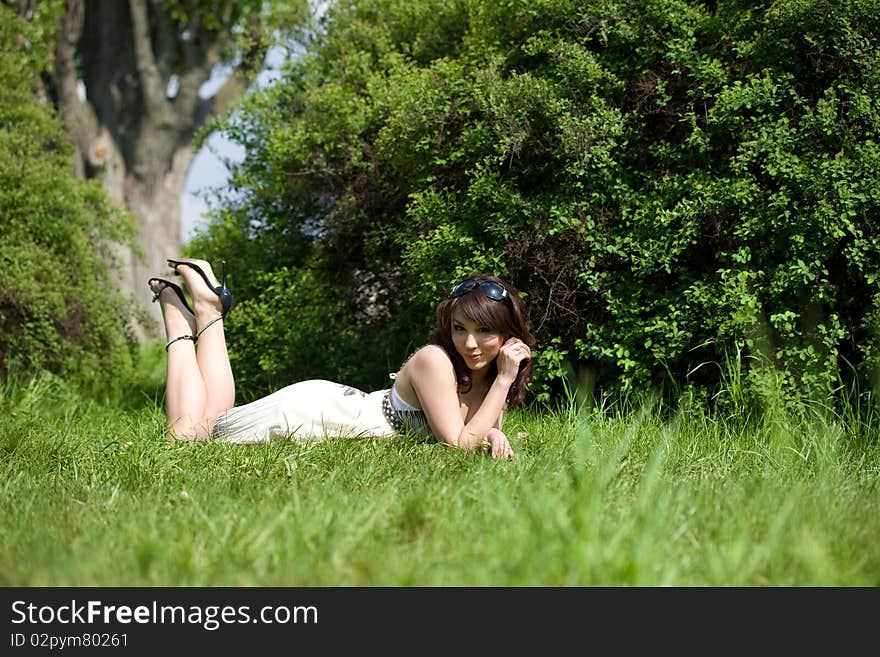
point(513, 352)
point(499, 446)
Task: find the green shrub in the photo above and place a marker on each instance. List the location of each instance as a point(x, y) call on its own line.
point(59, 311)
point(671, 182)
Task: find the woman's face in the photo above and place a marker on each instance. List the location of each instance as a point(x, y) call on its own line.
point(477, 345)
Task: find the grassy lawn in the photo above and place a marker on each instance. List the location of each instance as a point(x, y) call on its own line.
point(93, 495)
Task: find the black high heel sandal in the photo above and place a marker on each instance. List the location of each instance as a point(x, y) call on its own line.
point(222, 291)
point(177, 289)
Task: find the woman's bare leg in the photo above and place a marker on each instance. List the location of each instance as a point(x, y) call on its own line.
point(184, 385)
point(211, 355)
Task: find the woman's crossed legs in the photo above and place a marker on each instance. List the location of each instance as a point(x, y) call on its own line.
point(199, 382)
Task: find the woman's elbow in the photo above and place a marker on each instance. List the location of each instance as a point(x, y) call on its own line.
point(465, 440)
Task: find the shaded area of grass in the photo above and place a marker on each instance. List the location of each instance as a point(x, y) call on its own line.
point(93, 495)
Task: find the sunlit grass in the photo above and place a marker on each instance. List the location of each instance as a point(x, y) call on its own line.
point(93, 494)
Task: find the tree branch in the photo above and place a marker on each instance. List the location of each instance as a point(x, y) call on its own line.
point(70, 25)
point(78, 117)
point(193, 48)
point(201, 52)
point(166, 40)
point(231, 93)
point(151, 82)
point(198, 62)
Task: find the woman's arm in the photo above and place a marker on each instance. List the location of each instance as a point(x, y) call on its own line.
point(432, 376)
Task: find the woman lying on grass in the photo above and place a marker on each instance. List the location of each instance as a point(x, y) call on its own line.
point(457, 387)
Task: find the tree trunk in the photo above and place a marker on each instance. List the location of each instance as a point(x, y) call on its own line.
point(157, 210)
point(142, 71)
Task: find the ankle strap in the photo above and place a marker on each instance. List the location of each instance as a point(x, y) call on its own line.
point(182, 337)
point(205, 327)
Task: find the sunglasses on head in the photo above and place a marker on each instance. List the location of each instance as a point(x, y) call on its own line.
point(493, 290)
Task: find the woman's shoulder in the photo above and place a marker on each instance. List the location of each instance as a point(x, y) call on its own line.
point(428, 363)
point(432, 352)
point(429, 356)
point(432, 349)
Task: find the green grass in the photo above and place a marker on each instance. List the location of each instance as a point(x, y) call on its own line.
point(93, 495)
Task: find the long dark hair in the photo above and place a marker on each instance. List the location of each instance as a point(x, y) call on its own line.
point(508, 317)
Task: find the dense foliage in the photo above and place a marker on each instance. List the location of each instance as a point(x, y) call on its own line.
point(58, 308)
point(684, 190)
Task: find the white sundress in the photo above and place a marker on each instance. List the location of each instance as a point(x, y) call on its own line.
point(317, 409)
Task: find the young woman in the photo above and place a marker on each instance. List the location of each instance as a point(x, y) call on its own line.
point(457, 387)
